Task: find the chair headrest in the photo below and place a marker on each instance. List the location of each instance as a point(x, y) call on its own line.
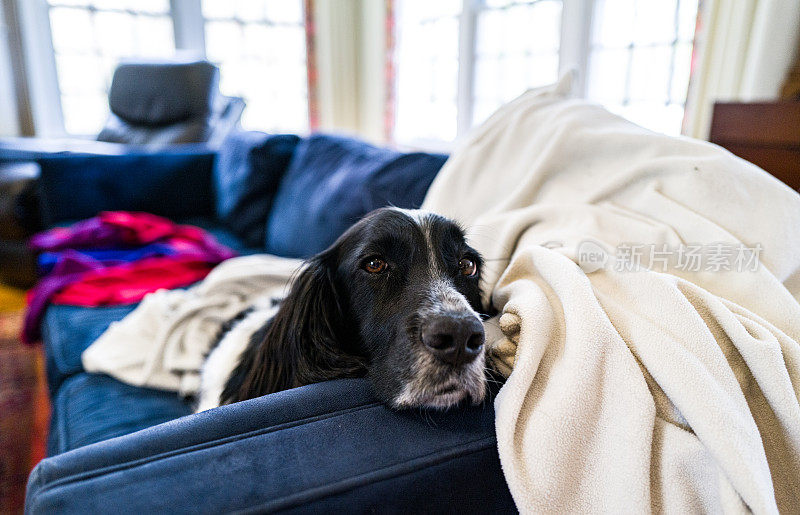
point(162, 93)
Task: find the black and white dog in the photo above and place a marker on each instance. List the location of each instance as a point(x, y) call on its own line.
point(396, 299)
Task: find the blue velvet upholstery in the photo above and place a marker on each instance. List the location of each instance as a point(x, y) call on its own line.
point(247, 173)
point(171, 184)
point(223, 234)
point(326, 447)
point(67, 331)
point(89, 408)
point(333, 181)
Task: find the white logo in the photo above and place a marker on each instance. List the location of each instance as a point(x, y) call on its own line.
point(591, 256)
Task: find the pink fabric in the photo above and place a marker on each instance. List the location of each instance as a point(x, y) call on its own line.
point(79, 279)
point(130, 283)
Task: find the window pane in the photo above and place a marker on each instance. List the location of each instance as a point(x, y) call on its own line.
point(427, 70)
point(640, 59)
point(655, 23)
point(249, 10)
point(608, 70)
point(680, 74)
point(281, 11)
point(89, 39)
point(218, 9)
point(84, 113)
point(78, 74)
point(614, 23)
point(649, 77)
point(71, 30)
point(69, 2)
point(516, 49)
point(260, 48)
point(115, 33)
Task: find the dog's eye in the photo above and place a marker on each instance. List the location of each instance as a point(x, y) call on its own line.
point(467, 267)
point(375, 265)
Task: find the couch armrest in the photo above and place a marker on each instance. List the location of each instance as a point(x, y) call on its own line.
point(175, 184)
point(323, 447)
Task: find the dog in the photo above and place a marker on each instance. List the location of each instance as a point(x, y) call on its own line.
point(396, 299)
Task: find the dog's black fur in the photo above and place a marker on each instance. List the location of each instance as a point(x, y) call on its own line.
point(340, 320)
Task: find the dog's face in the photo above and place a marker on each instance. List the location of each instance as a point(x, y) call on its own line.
point(395, 298)
point(407, 284)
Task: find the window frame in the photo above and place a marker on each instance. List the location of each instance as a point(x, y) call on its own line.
point(575, 30)
point(41, 73)
point(575, 48)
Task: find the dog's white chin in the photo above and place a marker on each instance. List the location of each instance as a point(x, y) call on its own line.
point(409, 398)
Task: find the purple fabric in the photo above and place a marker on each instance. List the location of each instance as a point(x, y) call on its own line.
point(69, 269)
point(48, 260)
point(111, 239)
point(92, 232)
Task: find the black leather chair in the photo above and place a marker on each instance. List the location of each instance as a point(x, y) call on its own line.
point(163, 103)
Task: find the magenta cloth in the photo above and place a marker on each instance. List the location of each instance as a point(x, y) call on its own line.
point(108, 229)
point(111, 229)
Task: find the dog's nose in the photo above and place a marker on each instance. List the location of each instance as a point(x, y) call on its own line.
point(454, 340)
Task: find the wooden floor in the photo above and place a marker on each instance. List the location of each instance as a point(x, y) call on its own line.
point(24, 407)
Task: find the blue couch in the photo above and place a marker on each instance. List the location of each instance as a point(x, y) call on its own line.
point(323, 447)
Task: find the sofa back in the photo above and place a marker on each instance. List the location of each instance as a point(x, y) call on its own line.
point(174, 183)
point(329, 183)
point(282, 194)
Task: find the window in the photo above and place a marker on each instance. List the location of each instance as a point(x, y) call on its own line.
point(260, 47)
point(466, 58)
point(516, 48)
point(89, 38)
point(427, 55)
point(640, 60)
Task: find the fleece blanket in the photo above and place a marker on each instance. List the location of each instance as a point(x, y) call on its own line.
point(163, 342)
point(649, 322)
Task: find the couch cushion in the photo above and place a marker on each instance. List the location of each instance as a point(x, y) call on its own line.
point(67, 331)
point(247, 173)
point(89, 408)
point(223, 234)
point(333, 181)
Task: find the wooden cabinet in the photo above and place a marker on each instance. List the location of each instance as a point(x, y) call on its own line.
point(766, 134)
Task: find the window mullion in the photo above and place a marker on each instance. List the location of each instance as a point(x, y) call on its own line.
point(576, 33)
point(188, 23)
point(40, 68)
point(466, 65)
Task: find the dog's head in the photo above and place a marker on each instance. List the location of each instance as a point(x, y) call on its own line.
point(395, 298)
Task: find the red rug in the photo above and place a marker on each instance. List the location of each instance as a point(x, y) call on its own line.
point(24, 412)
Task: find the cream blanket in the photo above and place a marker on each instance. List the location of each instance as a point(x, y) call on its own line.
point(163, 342)
point(673, 388)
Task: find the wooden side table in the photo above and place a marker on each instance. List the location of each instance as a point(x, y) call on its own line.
point(767, 134)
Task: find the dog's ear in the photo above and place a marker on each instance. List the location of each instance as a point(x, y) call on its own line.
point(308, 340)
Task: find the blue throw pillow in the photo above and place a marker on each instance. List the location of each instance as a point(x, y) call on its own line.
point(247, 173)
point(174, 184)
point(333, 181)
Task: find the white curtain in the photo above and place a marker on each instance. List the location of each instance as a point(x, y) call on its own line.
point(9, 124)
point(744, 50)
point(351, 53)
